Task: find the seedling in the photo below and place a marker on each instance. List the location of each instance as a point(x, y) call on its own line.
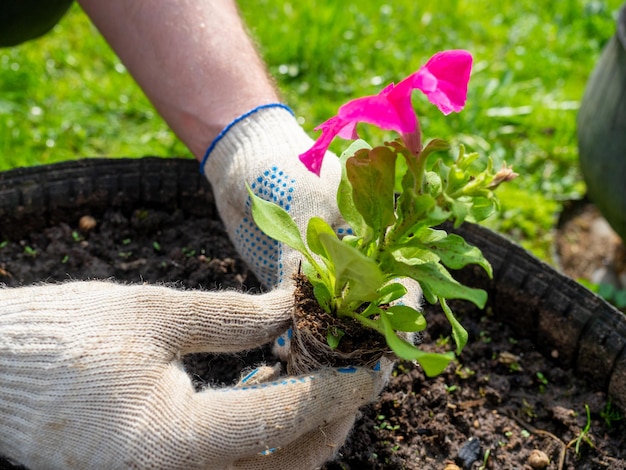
point(384, 424)
point(464, 372)
point(485, 460)
point(484, 337)
point(393, 197)
point(610, 414)
point(543, 382)
point(584, 435)
point(29, 251)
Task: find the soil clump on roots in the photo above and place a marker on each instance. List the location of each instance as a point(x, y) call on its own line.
point(358, 346)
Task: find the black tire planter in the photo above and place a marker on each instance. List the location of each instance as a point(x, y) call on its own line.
point(588, 334)
point(31, 198)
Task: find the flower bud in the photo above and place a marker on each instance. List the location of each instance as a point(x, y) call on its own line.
point(503, 175)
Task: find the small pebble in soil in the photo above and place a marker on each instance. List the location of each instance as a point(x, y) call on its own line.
point(538, 459)
point(451, 466)
point(87, 223)
point(468, 453)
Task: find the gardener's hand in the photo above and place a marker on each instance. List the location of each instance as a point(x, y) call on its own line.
point(261, 149)
point(90, 377)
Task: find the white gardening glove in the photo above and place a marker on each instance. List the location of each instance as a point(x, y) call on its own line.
point(261, 149)
point(91, 377)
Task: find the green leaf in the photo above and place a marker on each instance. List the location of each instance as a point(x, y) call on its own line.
point(423, 205)
point(457, 180)
point(458, 332)
point(333, 336)
point(436, 281)
point(452, 249)
point(322, 295)
point(391, 292)
point(345, 201)
point(432, 363)
point(460, 210)
point(311, 272)
point(606, 291)
point(620, 298)
point(470, 162)
point(435, 145)
point(372, 175)
point(415, 212)
point(276, 223)
point(354, 268)
point(315, 227)
point(432, 184)
point(353, 148)
point(371, 309)
point(482, 208)
point(405, 318)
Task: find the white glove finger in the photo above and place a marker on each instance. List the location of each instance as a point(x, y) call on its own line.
point(178, 321)
point(224, 321)
point(217, 426)
point(282, 345)
point(309, 451)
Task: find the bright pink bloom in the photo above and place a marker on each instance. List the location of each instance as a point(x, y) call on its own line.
point(443, 80)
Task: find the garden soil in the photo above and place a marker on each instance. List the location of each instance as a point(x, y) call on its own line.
point(502, 405)
point(586, 247)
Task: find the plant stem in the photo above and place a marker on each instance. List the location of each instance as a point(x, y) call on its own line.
point(418, 171)
point(374, 325)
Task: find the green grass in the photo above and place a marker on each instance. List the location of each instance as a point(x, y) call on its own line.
point(66, 96)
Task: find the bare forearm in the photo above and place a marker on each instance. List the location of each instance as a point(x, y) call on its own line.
point(193, 59)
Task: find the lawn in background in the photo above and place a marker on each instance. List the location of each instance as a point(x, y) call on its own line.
point(67, 96)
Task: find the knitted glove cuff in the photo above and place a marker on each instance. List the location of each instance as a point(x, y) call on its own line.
point(224, 131)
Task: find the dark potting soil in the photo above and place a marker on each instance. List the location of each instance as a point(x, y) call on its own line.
point(503, 405)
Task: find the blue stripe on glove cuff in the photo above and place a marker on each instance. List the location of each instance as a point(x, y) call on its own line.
point(235, 121)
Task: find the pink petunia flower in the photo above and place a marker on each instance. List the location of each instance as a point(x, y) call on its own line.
point(443, 80)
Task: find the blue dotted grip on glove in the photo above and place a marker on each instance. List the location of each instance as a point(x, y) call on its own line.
point(262, 252)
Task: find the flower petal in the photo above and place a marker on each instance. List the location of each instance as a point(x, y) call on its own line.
point(443, 80)
point(349, 131)
point(380, 111)
point(313, 157)
point(451, 70)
